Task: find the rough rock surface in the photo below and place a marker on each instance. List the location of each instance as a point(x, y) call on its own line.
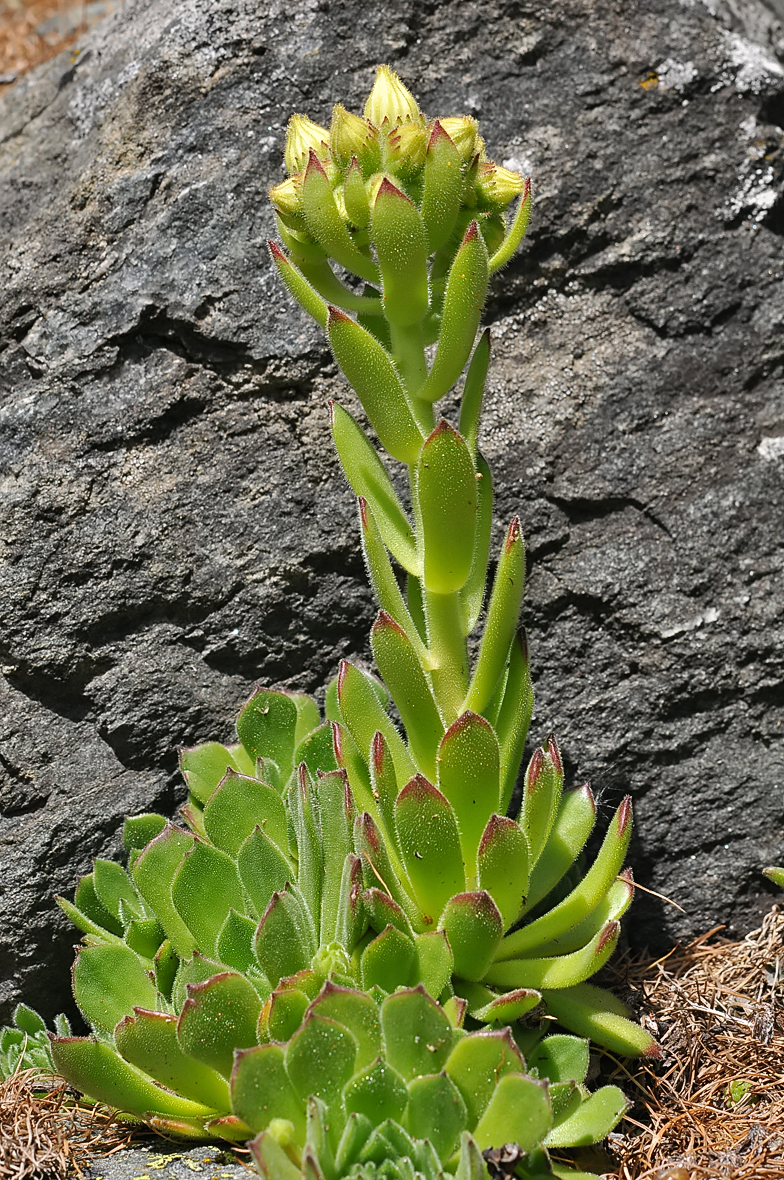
point(174, 525)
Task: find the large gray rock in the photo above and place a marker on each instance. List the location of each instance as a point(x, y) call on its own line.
point(175, 526)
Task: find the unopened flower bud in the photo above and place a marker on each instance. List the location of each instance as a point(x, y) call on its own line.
point(406, 147)
point(389, 99)
point(462, 130)
point(497, 186)
point(351, 136)
point(285, 197)
point(302, 134)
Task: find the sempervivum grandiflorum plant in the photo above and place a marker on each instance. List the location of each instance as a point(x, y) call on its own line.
point(342, 853)
point(414, 211)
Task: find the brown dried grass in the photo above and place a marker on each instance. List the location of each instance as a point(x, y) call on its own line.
point(22, 43)
point(44, 1135)
point(713, 1108)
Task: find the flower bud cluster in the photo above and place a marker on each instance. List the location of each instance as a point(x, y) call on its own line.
point(391, 139)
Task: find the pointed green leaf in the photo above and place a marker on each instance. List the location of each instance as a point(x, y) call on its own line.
point(165, 966)
point(283, 942)
point(417, 1033)
point(357, 1012)
point(491, 1008)
point(320, 1059)
point(197, 969)
point(377, 1092)
point(389, 961)
point(303, 810)
point(374, 378)
point(219, 1016)
point(271, 1160)
point(464, 300)
point(382, 577)
point(355, 1135)
point(148, 1040)
point(364, 716)
point(96, 1069)
point(473, 392)
point(519, 1112)
point(317, 751)
point(267, 727)
point(337, 822)
point(153, 873)
point(514, 715)
point(596, 1116)
point(435, 961)
point(261, 1090)
point(204, 766)
point(263, 869)
point(473, 593)
point(611, 908)
point(284, 1013)
point(584, 897)
point(572, 827)
point(350, 922)
point(477, 1063)
point(237, 806)
point(144, 935)
point(443, 187)
point(436, 1112)
point(474, 928)
point(516, 232)
point(399, 662)
point(503, 866)
point(382, 911)
point(468, 775)
point(368, 477)
point(446, 498)
point(138, 830)
point(298, 286)
point(430, 846)
point(593, 1012)
point(401, 244)
point(109, 981)
point(88, 903)
point(561, 1059)
point(235, 941)
point(324, 222)
point(501, 622)
point(559, 971)
point(472, 1165)
point(205, 887)
point(383, 781)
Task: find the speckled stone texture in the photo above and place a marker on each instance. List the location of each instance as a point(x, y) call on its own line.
point(174, 524)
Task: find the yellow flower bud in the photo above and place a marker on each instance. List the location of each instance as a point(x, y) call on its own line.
point(497, 186)
point(389, 99)
point(406, 148)
point(463, 131)
point(285, 196)
point(302, 134)
point(349, 136)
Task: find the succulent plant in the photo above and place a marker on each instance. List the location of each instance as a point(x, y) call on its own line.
point(332, 874)
point(775, 875)
point(24, 1044)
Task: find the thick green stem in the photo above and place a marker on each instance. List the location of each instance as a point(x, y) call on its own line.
point(408, 352)
point(448, 652)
